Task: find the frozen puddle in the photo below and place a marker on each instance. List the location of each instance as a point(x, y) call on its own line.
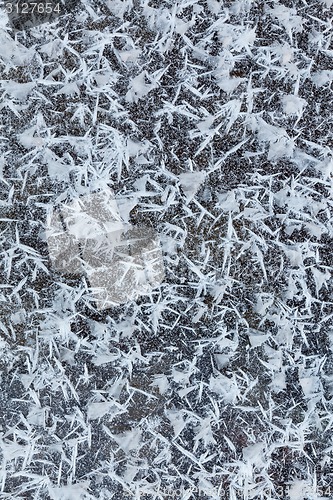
point(87, 236)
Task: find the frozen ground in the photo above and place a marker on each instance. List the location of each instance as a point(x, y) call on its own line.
point(214, 119)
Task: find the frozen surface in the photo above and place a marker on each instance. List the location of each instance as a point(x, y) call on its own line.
point(211, 122)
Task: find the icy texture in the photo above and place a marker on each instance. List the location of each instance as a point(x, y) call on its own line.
point(211, 122)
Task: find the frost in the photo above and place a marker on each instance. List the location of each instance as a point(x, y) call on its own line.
point(254, 453)
point(165, 252)
point(78, 490)
point(293, 105)
point(225, 387)
point(287, 17)
point(18, 91)
point(98, 410)
point(299, 489)
point(139, 88)
point(129, 440)
point(190, 183)
point(15, 54)
point(322, 77)
point(120, 7)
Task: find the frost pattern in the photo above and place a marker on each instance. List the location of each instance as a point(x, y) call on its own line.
point(211, 123)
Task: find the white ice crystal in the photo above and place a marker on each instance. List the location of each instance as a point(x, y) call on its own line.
point(190, 183)
point(293, 105)
point(139, 88)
